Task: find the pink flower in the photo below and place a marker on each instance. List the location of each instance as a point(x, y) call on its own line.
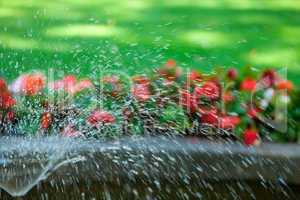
point(141, 88)
point(69, 131)
point(70, 85)
point(248, 84)
point(141, 92)
point(29, 84)
point(188, 101)
point(81, 85)
point(209, 90)
point(168, 82)
point(69, 82)
point(100, 116)
point(57, 85)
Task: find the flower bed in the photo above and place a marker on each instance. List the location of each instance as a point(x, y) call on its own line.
point(226, 104)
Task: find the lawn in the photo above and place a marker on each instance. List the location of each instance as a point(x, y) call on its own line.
point(87, 37)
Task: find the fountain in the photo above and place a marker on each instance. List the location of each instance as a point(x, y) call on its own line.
point(146, 168)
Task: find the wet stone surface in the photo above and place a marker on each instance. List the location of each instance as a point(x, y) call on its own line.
point(146, 168)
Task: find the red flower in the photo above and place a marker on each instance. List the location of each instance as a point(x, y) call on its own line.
point(6, 100)
point(45, 104)
point(232, 74)
point(100, 116)
point(188, 101)
point(3, 86)
point(228, 97)
point(141, 80)
point(269, 77)
point(253, 112)
point(209, 116)
point(248, 84)
point(229, 122)
point(10, 116)
point(170, 63)
point(127, 113)
point(209, 90)
point(46, 120)
point(285, 85)
point(194, 76)
point(251, 137)
point(170, 71)
point(29, 84)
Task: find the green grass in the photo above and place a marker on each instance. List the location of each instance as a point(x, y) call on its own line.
point(86, 37)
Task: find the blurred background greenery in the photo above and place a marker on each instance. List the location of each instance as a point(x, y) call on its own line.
point(86, 36)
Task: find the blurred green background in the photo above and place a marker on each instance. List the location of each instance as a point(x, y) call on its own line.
point(84, 37)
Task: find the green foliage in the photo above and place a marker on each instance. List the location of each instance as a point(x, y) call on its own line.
point(174, 116)
point(87, 37)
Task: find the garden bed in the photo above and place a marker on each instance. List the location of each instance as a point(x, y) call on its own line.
point(171, 133)
point(246, 106)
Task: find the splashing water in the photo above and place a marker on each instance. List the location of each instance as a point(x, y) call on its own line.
point(145, 168)
point(44, 161)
